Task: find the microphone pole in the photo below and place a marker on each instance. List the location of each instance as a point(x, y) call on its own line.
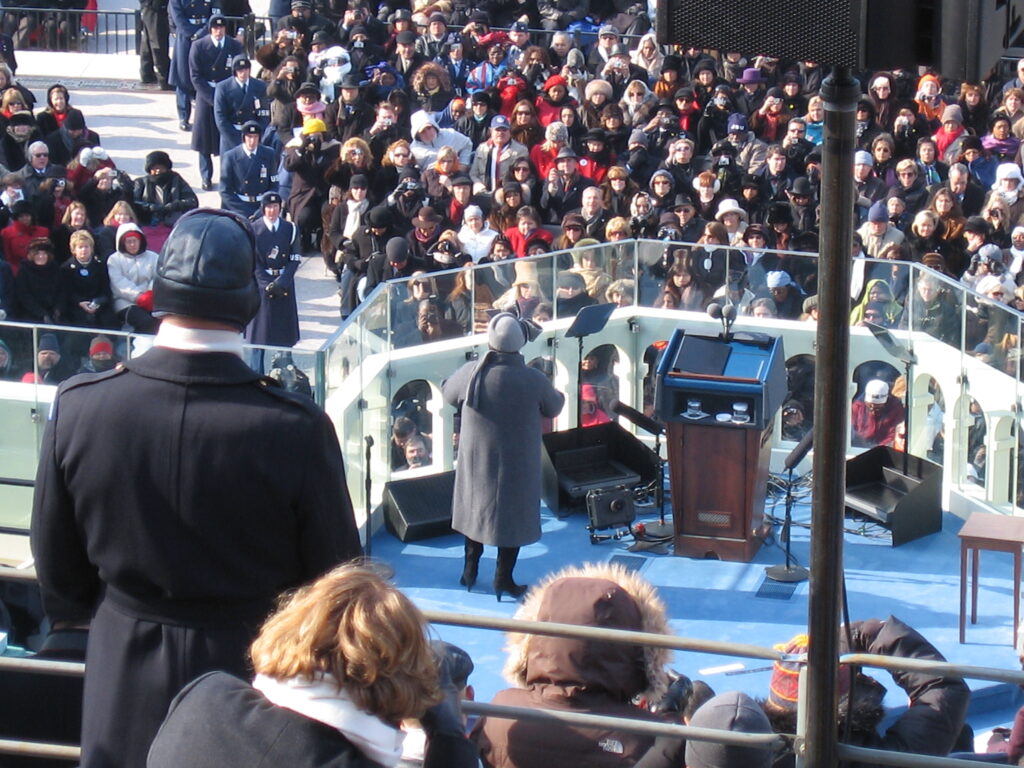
point(368, 482)
point(789, 572)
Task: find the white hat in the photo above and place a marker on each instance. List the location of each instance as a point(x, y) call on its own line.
point(1009, 171)
point(779, 279)
point(876, 391)
point(861, 157)
point(728, 205)
point(473, 212)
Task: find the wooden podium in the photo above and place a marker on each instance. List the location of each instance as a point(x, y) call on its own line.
point(718, 399)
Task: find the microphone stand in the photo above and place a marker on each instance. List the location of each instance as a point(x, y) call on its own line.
point(368, 482)
point(789, 572)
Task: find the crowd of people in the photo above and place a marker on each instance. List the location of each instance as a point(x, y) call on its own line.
point(405, 141)
point(399, 143)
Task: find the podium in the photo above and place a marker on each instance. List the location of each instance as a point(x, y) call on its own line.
point(718, 398)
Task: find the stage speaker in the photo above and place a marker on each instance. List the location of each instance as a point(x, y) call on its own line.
point(577, 461)
point(419, 507)
point(908, 504)
point(872, 34)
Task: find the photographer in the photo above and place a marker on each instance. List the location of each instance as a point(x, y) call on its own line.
point(563, 191)
point(162, 195)
point(405, 202)
point(307, 157)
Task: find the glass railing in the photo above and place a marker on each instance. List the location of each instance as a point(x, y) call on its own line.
point(385, 365)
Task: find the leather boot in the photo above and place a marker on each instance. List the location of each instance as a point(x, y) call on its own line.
point(471, 563)
point(503, 582)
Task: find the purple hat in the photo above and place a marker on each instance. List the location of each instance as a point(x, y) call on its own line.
point(737, 123)
point(750, 76)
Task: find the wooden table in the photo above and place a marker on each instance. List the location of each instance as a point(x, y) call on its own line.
point(996, 533)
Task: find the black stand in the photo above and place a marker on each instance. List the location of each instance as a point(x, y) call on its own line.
point(661, 529)
point(589, 320)
point(368, 547)
point(909, 359)
point(789, 572)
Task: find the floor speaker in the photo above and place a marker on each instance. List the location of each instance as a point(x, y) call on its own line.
point(578, 461)
point(908, 503)
point(419, 507)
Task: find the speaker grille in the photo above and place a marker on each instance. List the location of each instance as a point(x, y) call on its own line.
point(825, 31)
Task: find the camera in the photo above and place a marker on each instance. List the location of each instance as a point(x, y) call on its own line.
point(410, 185)
point(666, 233)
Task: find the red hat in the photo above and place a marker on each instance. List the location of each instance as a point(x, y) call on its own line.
point(101, 344)
point(784, 689)
point(554, 80)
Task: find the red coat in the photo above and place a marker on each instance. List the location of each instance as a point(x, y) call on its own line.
point(16, 238)
point(518, 241)
point(871, 428)
point(547, 112)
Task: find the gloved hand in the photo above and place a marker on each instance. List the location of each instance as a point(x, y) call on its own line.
point(275, 290)
point(445, 717)
point(145, 300)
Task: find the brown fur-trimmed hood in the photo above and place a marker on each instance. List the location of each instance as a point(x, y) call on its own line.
point(597, 595)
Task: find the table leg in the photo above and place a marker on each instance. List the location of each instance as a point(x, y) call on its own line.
point(1016, 594)
point(975, 562)
point(963, 589)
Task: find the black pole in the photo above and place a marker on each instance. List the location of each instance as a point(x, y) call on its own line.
point(840, 92)
point(579, 382)
point(906, 417)
point(368, 482)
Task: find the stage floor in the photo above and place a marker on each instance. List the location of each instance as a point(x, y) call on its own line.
point(918, 582)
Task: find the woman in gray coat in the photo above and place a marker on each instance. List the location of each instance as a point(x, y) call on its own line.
point(498, 477)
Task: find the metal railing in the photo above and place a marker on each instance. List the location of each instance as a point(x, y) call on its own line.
point(48, 29)
point(643, 727)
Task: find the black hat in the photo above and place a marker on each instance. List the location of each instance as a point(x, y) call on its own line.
point(241, 61)
point(682, 200)
point(379, 217)
point(350, 80)
point(397, 250)
point(971, 142)
point(667, 105)
point(620, 49)
point(512, 187)
point(359, 180)
point(977, 225)
point(704, 66)
point(21, 117)
point(566, 152)
point(671, 62)
point(814, 156)
point(301, 4)
point(462, 180)
point(480, 97)
point(596, 134)
point(802, 187)
point(321, 37)
point(217, 20)
point(406, 37)
point(206, 267)
point(480, 17)
point(308, 87)
point(686, 92)
point(437, 16)
point(75, 120)
point(750, 181)
point(779, 213)
point(519, 26)
point(270, 198)
point(251, 127)
point(402, 14)
point(158, 157)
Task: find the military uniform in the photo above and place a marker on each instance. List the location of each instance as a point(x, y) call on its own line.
point(188, 19)
point(208, 65)
point(277, 259)
point(244, 179)
point(178, 495)
point(235, 104)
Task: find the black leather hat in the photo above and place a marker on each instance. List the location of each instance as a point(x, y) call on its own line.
point(206, 267)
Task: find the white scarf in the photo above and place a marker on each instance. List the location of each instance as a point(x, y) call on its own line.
point(355, 217)
point(198, 339)
point(1017, 262)
point(322, 701)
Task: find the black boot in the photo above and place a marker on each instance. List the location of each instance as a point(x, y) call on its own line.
point(503, 582)
point(471, 563)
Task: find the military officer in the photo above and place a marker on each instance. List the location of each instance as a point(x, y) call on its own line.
point(209, 62)
point(277, 259)
point(229, 490)
point(237, 100)
point(247, 171)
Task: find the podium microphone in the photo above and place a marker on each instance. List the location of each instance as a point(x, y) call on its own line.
point(728, 318)
point(798, 453)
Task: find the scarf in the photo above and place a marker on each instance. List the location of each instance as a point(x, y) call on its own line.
point(355, 216)
point(1016, 261)
point(315, 109)
point(321, 700)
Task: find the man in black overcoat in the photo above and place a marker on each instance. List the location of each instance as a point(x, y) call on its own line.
point(178, 494)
